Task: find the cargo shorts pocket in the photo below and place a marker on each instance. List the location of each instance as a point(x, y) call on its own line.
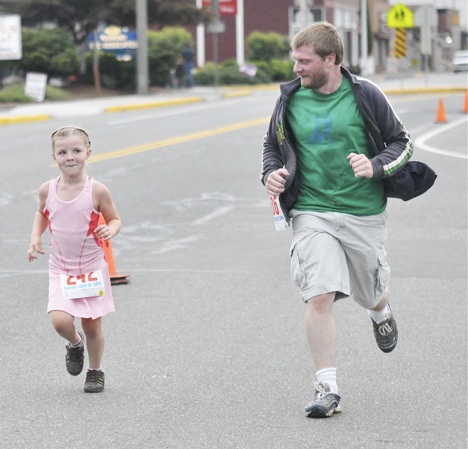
point(297, 266)
point(383, 276)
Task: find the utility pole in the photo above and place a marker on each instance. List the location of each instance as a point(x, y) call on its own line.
point(364, 48)
point(303, 14)
point(240, 52)
point(142, 53)
point(215, 12)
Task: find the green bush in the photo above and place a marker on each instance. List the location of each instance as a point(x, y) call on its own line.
point(277, 69)
point(15, 94)
point(50, 51)
point(164, 49)
point(267, 46)
point(228, 74)
point(114, 74)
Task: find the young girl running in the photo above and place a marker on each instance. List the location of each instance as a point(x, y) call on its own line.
point(79, 283)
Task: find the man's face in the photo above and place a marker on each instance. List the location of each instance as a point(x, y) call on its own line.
point(312, 68)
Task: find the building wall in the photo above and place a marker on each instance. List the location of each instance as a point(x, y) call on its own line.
point(273, 16)
point(259, 15)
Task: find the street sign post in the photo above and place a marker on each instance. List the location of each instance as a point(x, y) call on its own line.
point(400, 17)
point(225, 7)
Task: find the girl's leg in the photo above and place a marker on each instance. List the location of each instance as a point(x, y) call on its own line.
point(64, 326)
point(94, 341)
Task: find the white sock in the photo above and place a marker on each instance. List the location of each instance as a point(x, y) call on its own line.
point(77, 345)
point(378, 317)
point(328, 376)
point(95, 369)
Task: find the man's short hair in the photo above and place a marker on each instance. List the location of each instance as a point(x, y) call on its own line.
point(324, 39)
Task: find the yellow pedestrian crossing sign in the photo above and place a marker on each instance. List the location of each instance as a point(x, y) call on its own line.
point(400, 17)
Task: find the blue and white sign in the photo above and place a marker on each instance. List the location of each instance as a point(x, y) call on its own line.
point(115, 40)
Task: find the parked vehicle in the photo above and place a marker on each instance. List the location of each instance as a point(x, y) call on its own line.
point(460, 61)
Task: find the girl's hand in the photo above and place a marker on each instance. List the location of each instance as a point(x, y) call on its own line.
point(35, 247)
point(103, 232)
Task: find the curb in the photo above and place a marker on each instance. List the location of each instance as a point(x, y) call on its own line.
point(154, 104)
point(235, 92)
point(425, 90)
point(24, 119)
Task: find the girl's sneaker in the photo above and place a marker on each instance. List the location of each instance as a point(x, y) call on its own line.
point(75, 357)
point(94, 381)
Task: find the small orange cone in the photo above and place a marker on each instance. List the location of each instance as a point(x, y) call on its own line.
point(107, 247)
point(441, 118)
point(465, 105)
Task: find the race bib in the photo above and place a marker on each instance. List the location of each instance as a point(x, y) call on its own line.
point(280, 221)
point(83, 285)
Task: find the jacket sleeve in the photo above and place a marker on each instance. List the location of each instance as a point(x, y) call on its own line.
point(272, 158)
point(391, 138)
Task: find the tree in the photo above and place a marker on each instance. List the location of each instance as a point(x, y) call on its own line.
point(50, 51)
point(80, 17)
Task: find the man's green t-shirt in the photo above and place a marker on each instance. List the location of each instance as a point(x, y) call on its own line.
point(327, 127)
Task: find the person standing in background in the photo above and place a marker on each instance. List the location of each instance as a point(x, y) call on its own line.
point(187, 58)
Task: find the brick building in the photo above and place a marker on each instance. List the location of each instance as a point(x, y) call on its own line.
point(284, 17)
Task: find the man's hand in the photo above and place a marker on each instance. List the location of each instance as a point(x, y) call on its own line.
point(276, 181)
point(361, 165)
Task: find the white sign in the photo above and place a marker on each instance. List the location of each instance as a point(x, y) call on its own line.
point(10, 38)
point(35, 86)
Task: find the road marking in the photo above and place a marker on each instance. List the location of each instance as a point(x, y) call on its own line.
point(215, 214)
point(420, 141)
point(176, 140)
point(178, 111)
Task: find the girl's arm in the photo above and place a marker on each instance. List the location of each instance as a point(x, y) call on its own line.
point(104, 204)
point(40, 223)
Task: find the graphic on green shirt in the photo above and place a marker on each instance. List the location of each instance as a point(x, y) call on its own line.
point(322, 130)
point(327, 128)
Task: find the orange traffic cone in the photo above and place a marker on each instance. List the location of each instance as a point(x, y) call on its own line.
point(441, 118)
point(107, 247)
point(465, 105)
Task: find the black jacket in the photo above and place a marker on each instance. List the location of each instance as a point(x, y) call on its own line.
point(387, 136)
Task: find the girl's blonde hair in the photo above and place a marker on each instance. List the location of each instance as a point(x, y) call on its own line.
point(70, 130)
point(323, 37)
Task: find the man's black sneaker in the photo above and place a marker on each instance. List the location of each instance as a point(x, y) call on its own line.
point(74, 358)
point(386, 332)
point(94, 381)
point(324, 403)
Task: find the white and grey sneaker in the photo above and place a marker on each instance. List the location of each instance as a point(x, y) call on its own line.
point(324, 404)
point(386, 333)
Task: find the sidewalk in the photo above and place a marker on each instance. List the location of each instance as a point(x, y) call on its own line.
point(391, 85)
point(93, 106)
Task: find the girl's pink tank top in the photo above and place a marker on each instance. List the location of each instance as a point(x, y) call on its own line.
point(74, 248)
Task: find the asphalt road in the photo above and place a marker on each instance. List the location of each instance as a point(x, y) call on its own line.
point(207, 347)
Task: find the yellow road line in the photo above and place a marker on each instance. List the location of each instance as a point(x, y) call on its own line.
point(176, 140)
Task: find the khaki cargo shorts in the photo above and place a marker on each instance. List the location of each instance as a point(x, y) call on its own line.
point(335, 252)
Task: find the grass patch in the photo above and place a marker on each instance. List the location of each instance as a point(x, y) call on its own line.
point(15, 94)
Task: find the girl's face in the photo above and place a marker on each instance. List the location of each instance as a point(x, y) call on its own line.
point(70, 153)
